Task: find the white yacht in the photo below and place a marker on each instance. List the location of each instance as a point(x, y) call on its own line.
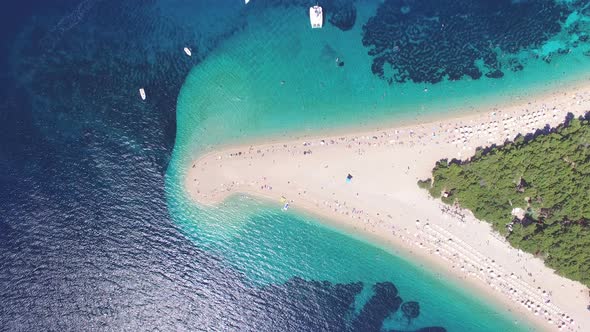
point(142, 93)
point(316, 17)
point(188, 51)
point(246, 1)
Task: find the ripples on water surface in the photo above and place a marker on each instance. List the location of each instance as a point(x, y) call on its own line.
point(91, 239)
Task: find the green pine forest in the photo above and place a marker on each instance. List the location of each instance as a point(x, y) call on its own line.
point(547, 176)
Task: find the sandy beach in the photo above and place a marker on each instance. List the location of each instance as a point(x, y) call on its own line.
point(383, 202)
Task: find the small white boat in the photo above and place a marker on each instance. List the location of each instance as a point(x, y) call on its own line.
point(286, 207)
point(246, 1)
point(188, 51)
point(142, 93)
point(316, 17)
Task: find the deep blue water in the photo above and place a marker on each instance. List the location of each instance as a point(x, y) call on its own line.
point(86, 238)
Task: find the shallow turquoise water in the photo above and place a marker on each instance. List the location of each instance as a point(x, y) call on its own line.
point(269, 246)
point(276, 77)
point(237, 91)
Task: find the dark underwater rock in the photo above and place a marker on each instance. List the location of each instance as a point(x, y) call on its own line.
point(495, 74)
point(432, 40)
point(378, 308)
point(343, 16)
point(473, 72)
point(515, 65)
point(411, 309)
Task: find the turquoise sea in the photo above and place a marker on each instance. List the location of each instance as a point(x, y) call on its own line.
point(276, 77)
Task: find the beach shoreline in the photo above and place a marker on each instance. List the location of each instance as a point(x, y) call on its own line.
point(418, 258)
point(547, 94)
point(308, 171)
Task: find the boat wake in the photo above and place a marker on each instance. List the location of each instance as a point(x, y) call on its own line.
point(67, 22)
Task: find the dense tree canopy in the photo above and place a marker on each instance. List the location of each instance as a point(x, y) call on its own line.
point(547, 176)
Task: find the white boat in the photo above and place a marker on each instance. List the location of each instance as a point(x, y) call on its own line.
point(286, 207)
point(142, 93)
point(246, 1)
point(316, 17)
point(188, 51)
